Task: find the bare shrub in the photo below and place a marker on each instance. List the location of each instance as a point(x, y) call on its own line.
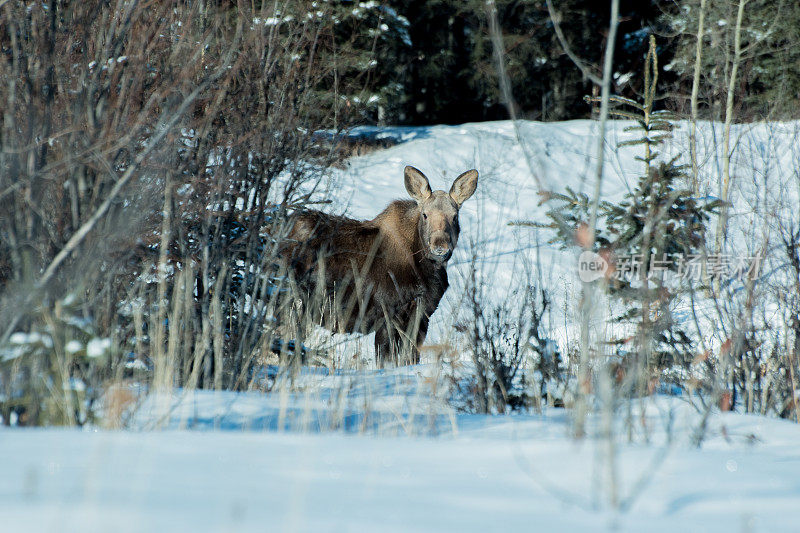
point(150, 155)
point(515, 363)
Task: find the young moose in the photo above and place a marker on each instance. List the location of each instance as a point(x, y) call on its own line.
point(384, 275)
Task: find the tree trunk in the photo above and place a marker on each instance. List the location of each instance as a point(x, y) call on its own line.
point(695, 90)
point(726, 136)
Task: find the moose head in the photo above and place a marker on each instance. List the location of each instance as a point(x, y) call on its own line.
point(438, 211)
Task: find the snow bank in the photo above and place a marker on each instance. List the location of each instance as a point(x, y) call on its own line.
point(508, 473)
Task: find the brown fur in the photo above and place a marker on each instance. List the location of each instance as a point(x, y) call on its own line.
point(385, 275)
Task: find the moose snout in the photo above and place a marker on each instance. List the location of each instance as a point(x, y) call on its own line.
point(440, 246)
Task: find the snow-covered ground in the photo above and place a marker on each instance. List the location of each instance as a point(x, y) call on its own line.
point(502, 473)
point(387, 450)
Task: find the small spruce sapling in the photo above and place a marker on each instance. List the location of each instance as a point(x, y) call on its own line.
point(653, 231)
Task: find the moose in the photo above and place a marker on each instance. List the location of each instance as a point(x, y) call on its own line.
point(385, 275)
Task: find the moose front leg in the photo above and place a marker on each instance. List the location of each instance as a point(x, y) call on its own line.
point(412, 329)
point(422, 332)
point(394, 343)
point(416, 328)
point(386, 344)
point(399, 338)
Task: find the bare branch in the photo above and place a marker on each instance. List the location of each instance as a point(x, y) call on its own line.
point(555, 17)
point(588, 296)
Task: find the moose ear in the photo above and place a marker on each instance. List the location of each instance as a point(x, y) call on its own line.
point(464, 186)
point(417, 184)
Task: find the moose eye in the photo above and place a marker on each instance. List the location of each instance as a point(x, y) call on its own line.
point(424, 216)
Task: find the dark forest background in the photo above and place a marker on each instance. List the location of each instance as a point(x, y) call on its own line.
point(431, 61)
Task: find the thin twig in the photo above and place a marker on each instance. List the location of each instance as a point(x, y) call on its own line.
point(555, 17)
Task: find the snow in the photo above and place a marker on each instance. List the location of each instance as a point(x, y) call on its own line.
point(20, 338)
point(387, 402)
point(510, 473)
point(73, 346)
point(97, 347)
point(372, 450)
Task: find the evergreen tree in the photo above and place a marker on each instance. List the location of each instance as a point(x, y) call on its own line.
point(769, 74)
point(451, 75)
point(652, 232)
